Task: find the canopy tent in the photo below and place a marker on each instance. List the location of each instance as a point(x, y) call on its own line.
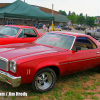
point(20, 9)
point(60, 18)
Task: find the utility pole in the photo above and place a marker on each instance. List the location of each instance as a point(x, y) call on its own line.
point(24, 0)
point(52, 15)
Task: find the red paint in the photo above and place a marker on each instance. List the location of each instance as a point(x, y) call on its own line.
point(35, 56)
point(11, 39)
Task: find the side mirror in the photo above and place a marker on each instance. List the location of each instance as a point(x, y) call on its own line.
point(78, 48)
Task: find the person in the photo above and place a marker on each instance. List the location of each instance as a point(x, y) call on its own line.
point(44, 28)
point(48, 28)
point(95, 29)
point(69, 27)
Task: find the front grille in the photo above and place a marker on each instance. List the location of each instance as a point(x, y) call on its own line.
point(3, 63)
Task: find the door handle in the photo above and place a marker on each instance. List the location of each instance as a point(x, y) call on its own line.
point(97, 52)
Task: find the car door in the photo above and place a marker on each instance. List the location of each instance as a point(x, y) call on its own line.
point(86, 58)
point(97, 33)
point(26, 35)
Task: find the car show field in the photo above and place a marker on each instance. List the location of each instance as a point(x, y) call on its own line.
point(49, 50)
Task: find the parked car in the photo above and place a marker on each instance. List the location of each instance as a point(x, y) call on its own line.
point(18, 34)
point(39, 25)
point(41, 62)
point(66, 28)
point(80, 28)
point(94, 33)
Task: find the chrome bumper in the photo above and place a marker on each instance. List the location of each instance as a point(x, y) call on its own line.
point(12, 80)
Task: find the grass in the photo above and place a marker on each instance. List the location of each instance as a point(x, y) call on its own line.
point(95, 98)
point(79, 86)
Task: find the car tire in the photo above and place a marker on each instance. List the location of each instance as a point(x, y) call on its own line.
point(44, 80)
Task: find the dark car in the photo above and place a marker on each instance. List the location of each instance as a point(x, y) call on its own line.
point(80, 28)
point(39, 25)
point(66, 28)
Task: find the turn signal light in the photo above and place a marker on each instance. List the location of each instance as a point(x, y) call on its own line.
point(8, 81)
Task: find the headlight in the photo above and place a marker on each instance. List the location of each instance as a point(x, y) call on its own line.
point(13, 66)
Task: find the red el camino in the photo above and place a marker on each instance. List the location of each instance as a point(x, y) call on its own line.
point(40, 63)
point(18, 34)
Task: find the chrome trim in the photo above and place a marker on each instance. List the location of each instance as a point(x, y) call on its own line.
point(19, 33)
point(77, 61)
point(12, 61)
point(15, 81)
point(97, 52)
point(73, 42)
point(7, 62)
point(63, 63)
point(83, 60)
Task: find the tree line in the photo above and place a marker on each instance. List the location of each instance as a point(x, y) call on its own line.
point(79, 19)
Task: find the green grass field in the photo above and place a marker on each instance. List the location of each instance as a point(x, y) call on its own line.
point(80, 86)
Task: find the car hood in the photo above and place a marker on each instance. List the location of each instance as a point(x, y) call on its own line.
point(25, 50)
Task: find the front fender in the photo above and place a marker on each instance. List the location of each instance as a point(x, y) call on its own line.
point(46, 64)
point(29, 69)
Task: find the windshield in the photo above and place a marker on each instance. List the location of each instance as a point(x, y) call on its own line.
point(57, 40)
point(10, 31)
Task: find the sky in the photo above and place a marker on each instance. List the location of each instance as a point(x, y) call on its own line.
point(89, 7)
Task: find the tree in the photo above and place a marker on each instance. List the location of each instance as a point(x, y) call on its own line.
point(80, 19)
point(77, 15)
point(86, 15)
point(69, 13)
point(81, 14)
point(63, 12)
point(73, 18)
point(73, 13)
point(90, 20)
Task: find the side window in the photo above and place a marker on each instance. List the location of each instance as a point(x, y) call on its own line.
point(98, 30)
point(30, 33)
point(27, 33)
point(85, 43)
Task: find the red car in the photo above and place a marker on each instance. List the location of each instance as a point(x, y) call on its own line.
point(54, 54)
point(18, 34)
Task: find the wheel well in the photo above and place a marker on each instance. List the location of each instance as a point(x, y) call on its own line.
point(55, 69)
point(88, 33)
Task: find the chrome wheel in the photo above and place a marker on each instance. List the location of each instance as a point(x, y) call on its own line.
point(44, 80)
